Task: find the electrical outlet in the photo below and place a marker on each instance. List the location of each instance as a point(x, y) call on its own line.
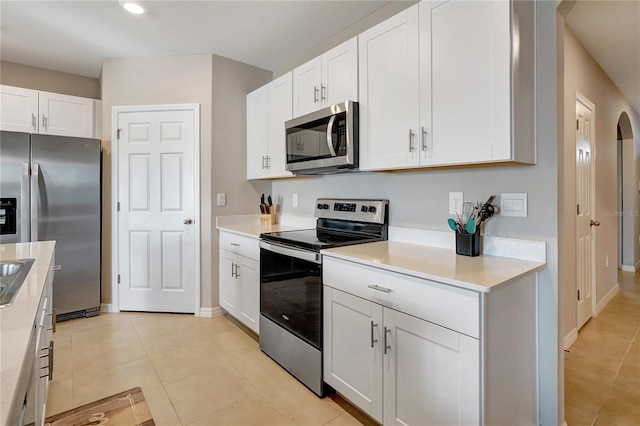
point(295, 199)
point(222, 199)
point(455, 202)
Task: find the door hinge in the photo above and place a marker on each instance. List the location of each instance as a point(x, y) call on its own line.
point(118, 133)
point(118, 205)
point(118, 278)
point(578, 294)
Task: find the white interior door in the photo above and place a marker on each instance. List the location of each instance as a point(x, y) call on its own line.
point(585, 222)
point(157, 196)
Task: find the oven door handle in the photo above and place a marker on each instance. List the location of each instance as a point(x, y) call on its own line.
point(309, 256)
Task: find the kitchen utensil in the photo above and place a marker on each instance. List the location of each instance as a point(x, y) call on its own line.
point(453, 224)
point(470, 227)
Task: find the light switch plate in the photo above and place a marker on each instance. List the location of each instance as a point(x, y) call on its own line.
point(513, 204)
point(221, 199)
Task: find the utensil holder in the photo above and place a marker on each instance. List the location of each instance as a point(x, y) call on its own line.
point(268, 219)
point(468, 244)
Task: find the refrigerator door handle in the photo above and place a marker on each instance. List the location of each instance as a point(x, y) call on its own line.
point(35, 200)
point(24, 204)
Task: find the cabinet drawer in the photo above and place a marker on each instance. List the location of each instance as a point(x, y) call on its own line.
point(450, 307)
point(244, 246)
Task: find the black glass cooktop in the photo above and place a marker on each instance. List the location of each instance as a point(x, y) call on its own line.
point(316, 239)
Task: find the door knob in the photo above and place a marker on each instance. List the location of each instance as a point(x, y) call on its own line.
point(594, 223)
point(187, 221)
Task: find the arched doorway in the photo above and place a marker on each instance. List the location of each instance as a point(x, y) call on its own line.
point(626, 186)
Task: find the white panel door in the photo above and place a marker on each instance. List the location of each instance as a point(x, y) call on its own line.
point(65, 115)
point(306, 87)
point(18, 109)
point(470, 66)
point(353, 349)
point(431, 373)
point(585, 222)
point(156, 181)
point(340, 74)
point(389, 93)
point(248, 273)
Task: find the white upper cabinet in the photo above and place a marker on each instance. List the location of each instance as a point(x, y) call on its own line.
point(18, 109)
point(66, 115)
point(25, 110)
point(470, 69)
point(267, 110)
point(439, 85)
point(326, 80)
point(389, 93)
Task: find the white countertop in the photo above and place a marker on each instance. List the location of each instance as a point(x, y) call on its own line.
point(254, 230)
point(17, 321)
point(480, 273)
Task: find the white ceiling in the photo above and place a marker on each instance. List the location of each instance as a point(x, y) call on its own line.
point(74, 36)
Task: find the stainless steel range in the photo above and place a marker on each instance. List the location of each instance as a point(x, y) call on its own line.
point(291, 282)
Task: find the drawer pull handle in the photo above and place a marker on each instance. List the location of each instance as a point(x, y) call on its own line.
point(372, 339)
point(235, 244)
point(378, 288)
point(387, 346)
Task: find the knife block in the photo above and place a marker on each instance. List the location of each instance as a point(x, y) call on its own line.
point(268, 219)
point(468, 244)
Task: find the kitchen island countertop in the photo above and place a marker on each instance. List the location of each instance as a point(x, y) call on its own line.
point(17, 321)
point(481, 273)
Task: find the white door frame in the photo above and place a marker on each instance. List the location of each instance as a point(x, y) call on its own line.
point(115, 267)
point(592, 131)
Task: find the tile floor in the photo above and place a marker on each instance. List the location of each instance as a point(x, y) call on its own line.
point(602, 367)
point(192, 371)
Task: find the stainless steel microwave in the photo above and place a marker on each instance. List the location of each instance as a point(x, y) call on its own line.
point(325, 141)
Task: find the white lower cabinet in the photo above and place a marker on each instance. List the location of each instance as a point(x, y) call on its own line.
point(240, 280)
point(413, 351)
point(397, 368)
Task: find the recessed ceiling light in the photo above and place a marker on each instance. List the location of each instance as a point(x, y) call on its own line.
point(132, 7)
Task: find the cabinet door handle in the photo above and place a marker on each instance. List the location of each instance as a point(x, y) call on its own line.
point(372, 339)
point(44, 121)
point(411, 134)
point(315, 94)
point(34, 122)
point(378, 288)
point(235, 244)
point(51, 360)
point(387, 346)
point(56, 268)
point(263, 162)
point(233, 265)
point(268, 162)
point(237, 269)
point(424, 139)
point(323, 92)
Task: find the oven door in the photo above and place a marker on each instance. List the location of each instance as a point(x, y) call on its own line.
point(291, 290)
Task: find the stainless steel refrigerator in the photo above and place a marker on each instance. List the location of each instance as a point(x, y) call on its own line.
point(50, 190)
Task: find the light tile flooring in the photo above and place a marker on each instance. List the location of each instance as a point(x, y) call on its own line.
point(192, 371)
point(602, 368)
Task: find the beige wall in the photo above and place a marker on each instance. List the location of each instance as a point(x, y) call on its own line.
point(220, 87)
point(12, 74)
point(582, 74)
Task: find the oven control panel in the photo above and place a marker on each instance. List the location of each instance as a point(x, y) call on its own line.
point(374, 211)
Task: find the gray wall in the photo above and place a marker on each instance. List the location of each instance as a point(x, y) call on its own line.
point(220, 86)
point(12, 74)
point(419, 199)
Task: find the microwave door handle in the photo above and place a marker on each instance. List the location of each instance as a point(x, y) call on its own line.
point(329, 138)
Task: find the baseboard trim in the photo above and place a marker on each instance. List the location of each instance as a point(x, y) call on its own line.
point(216, 311)
point(107, 307)
point(628, 268)
point(570, 338)
point(606, 299)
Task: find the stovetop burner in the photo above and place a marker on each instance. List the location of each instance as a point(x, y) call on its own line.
point(340, 222)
